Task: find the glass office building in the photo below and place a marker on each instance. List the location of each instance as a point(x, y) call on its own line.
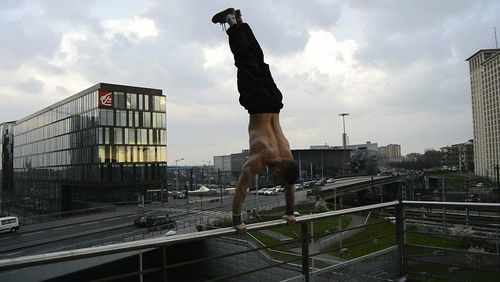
point(105, 144)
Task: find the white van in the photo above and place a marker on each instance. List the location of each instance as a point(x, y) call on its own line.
point(9, 224)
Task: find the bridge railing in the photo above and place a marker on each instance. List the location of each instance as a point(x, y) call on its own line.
point(457, 241)
point(213, 255)
point(430, 240)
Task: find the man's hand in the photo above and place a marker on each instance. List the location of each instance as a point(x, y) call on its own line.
point(240, 228)
point(290, 219)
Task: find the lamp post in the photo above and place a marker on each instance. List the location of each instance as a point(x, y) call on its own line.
point(344, 139)
point(208, 171)
point(177, 176)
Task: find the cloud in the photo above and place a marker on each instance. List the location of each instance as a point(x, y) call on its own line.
point(396, 66)
point(31, 86)
point(133, 29)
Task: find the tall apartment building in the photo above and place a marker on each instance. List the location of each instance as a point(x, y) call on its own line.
point(104, 144)
point(484, 67)
point(391, 151)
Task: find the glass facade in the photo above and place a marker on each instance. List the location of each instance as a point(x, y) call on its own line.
point(101, 145)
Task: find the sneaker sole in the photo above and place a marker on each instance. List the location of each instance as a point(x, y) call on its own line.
point(221, 16)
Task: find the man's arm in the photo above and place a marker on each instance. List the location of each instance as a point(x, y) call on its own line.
point(248, 172)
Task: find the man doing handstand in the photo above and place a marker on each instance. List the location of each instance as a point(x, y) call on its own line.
point(262, 99)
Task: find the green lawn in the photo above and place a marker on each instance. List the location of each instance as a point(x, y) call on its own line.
point(387, 230)
point(320, 227)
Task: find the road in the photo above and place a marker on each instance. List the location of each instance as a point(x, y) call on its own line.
point(104, 229)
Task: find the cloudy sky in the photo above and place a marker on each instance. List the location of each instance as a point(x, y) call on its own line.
point(397, 67)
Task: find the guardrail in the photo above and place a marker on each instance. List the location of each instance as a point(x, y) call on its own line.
point(391, 243)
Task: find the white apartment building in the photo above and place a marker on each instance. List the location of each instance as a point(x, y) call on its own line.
point(484, 68)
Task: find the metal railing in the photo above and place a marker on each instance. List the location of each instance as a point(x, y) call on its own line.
point(408, 238)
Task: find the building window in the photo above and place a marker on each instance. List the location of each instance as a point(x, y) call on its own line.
point(132, 101)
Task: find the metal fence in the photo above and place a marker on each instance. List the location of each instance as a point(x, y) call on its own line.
point(380, 242)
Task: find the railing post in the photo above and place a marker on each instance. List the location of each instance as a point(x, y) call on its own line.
point(164, 264)
point(400, 237)
point(305, 251)
point(140, 266)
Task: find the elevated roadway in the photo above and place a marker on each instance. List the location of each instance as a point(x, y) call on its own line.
point(341, 187)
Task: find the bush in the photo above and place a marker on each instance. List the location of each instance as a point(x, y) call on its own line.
point(321, 206)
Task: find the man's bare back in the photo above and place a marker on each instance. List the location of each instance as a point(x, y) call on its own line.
point(267, 140)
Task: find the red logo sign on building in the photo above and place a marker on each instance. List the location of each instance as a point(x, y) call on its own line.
point(105, 99)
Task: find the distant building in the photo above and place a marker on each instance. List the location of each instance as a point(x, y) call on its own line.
point(484, 67)
point(102, 145)
point(459, 157)
point(391, 152)
point(222, 163)
point(316, 162)
point(412, 157)
point(367, 146)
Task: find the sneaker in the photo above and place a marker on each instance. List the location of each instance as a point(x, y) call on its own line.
point(237, 15)
point(220, 17)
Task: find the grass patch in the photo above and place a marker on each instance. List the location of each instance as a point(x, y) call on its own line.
point(320, 228)
point(387, 230)
point(431, 241)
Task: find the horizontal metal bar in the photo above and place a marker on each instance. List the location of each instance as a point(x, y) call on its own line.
point(172, 240)
point(452, 204)
point(312, 217)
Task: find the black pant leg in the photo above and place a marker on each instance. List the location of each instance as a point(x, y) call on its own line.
point(258, 92)
point(249, 74)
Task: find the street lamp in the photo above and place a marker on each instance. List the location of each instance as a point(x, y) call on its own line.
point(177, 176)
point(344, 138)
point(208, 171)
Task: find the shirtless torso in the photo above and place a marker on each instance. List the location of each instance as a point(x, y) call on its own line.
point(267, 146)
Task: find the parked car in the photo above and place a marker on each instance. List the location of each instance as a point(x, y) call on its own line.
point(180, 195)
point(262, 191)
point(153, 220)
point(279, 188)
point(140, 221)
point(160, 220)
point(320, 182)
point(270, 192)
point(330, 180)
point(9, 224)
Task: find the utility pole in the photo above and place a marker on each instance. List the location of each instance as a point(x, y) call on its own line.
point(344, 141)
point(177, 176)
